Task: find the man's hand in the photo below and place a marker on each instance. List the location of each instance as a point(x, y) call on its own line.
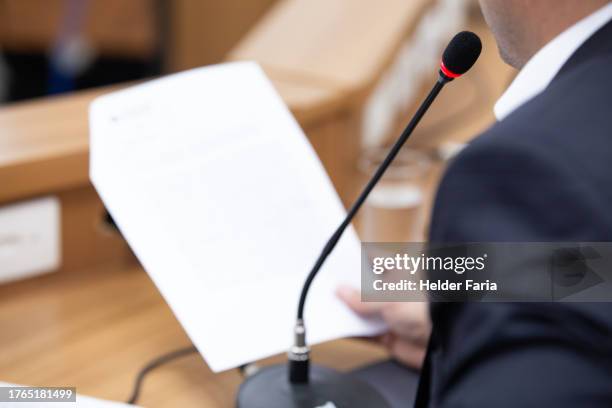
point(409, 325)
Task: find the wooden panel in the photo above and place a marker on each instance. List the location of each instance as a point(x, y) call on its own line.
point(310, 101)
point(337, 143)
point(44, 145)
point(112, 27)
point(44, 150)
point(87, 238)
point(203, 31)
point(345, 43)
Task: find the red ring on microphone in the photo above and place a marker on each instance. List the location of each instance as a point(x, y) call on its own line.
point(447, 71)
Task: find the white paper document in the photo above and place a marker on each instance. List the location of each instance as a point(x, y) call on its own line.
point(226, 205)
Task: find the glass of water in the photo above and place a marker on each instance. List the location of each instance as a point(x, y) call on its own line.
point(394, 210)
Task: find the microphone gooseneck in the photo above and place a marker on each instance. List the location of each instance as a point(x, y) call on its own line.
point(459, 56)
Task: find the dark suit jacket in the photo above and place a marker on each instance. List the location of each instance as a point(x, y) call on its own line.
point(542, 174)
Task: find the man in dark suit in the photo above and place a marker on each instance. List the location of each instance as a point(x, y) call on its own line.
point(542, 173)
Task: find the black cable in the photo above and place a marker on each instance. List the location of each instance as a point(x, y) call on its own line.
point(153, 364)
point(443, 80)
point(243, 370)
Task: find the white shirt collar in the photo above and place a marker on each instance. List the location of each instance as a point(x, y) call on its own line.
point(541, 69)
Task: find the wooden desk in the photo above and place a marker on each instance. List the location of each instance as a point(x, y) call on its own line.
point(95, 331)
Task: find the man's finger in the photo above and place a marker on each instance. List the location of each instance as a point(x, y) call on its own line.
point(352, 298)
point(407, 352)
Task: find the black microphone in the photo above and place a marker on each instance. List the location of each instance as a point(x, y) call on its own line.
point(297, 385)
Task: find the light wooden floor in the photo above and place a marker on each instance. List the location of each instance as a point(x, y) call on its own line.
point(95, 330)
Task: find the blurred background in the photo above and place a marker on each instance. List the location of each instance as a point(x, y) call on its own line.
point(351, 71)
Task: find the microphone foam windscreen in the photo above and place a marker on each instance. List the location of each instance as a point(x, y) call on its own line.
point(462, 52)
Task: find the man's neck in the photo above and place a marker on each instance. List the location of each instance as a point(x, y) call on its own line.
point(548, 62)
point(553, 21)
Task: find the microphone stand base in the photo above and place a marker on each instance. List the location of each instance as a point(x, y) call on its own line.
point(270, 388)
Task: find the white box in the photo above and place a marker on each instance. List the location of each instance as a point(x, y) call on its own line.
point(30, 238)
